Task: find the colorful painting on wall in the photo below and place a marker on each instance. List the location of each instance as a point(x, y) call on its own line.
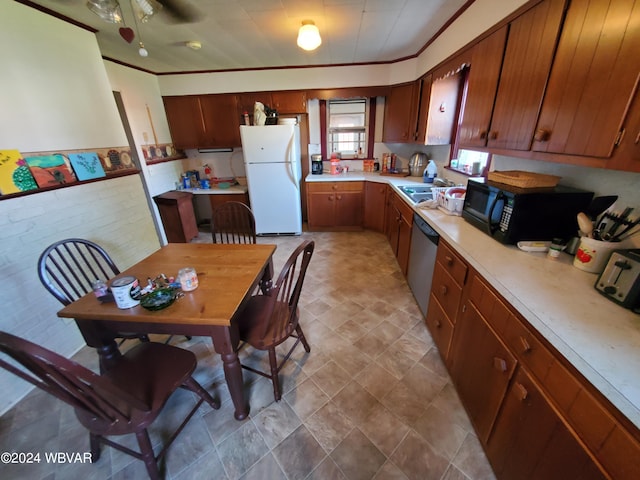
point(50, 170)
point(15, 176)
point(87, 165)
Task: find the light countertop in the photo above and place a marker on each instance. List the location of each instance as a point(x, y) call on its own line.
point(217, 191)
point(601, 339)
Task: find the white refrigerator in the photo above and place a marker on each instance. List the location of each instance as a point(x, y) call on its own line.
point(272, 163)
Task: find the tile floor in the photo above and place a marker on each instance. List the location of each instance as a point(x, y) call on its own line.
point(371, 401)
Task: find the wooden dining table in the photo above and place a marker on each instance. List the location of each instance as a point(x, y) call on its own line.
point(228, 274)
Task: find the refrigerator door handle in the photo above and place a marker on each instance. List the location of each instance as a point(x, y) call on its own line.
point(292, 164)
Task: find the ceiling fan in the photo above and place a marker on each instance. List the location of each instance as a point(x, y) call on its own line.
point(176, 11)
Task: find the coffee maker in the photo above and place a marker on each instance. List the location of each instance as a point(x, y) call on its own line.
point(316, 164)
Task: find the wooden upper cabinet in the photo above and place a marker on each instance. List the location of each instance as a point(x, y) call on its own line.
point(424, 85)
point(482, 84)
point(530, 47)
point(289, 101)
point(627, 155)
point(247, 101)
point(398, 119)
point(185, 120)
point(593, 80)
point(203, 121)
point(221, 126)
point(443, 109)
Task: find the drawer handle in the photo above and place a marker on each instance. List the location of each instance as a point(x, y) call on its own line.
point(521, 392)
point(335, 187)
point(526, 348)
point(444, 289)
point(339, 197)
point(542, 135)
point(500, 364)
point(449, 260)
point(330, 197)
point(483, 135)
point(493, 135)
point(438, 324)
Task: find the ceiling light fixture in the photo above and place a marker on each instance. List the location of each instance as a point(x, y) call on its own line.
point(143, 51)
point(145, 9)
point(107, 10)
point(193, 44)
point(309, 36)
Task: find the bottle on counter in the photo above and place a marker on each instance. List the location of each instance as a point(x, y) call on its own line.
point(430, 172)
point(246, 118)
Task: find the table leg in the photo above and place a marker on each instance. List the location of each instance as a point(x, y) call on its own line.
point(102, 340)
point(266, 282)
point(223, 342)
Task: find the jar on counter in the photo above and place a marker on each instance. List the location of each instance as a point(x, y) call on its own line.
point(556, 247)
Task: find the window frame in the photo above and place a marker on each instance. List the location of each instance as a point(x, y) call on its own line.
point(369, 120)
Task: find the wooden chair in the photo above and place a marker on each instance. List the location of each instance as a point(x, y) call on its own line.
point(270, 319)
point(233, 222)
point(68, 268)
point(126, 399)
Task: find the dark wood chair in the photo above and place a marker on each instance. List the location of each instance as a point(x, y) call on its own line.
point(270, 319)
point(233, 222)
point(126, 399)
point(68, 268)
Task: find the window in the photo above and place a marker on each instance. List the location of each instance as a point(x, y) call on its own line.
point(470, 162)
point(347, 127)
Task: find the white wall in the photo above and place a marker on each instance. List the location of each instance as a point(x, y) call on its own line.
point(55, 94)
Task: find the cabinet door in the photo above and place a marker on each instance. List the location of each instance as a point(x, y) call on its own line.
point(321, 209)
point(593, 80)
point(481, 367)
point(440, 327)
point(185, 120)
point(398, 124)
point(443, 108)
point(482, 84)
point(531, 441)
point(404, 243)
point(289, 102)
point(374, 205)
point(219, 112)
point(423, 108)
point(348, 209)
point(530, 46)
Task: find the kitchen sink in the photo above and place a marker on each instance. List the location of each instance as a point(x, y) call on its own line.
point(417, 193)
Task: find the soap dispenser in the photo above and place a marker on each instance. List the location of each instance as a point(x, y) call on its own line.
point(430, 172)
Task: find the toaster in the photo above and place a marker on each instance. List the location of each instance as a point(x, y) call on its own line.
point(620, 280)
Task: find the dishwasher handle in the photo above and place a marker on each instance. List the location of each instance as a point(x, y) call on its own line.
point(426, 229)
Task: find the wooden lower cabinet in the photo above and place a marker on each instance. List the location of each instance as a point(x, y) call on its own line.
point(398, 224)
point(335, 205)
point(374, 205)
point(440, 327)
point(535, 415)
point(481, 368)
point(530, 439)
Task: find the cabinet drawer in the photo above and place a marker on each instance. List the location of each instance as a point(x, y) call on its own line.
point(454, 265)
point(439, 325)
point(528, 348)
point(315, 187)
point(446, 291)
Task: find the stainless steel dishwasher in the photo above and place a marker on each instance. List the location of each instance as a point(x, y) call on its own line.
point(422, 260)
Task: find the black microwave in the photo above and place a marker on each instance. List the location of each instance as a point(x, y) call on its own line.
point(511, 214)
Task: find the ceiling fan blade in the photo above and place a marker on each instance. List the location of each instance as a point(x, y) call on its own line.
point(180, 11)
